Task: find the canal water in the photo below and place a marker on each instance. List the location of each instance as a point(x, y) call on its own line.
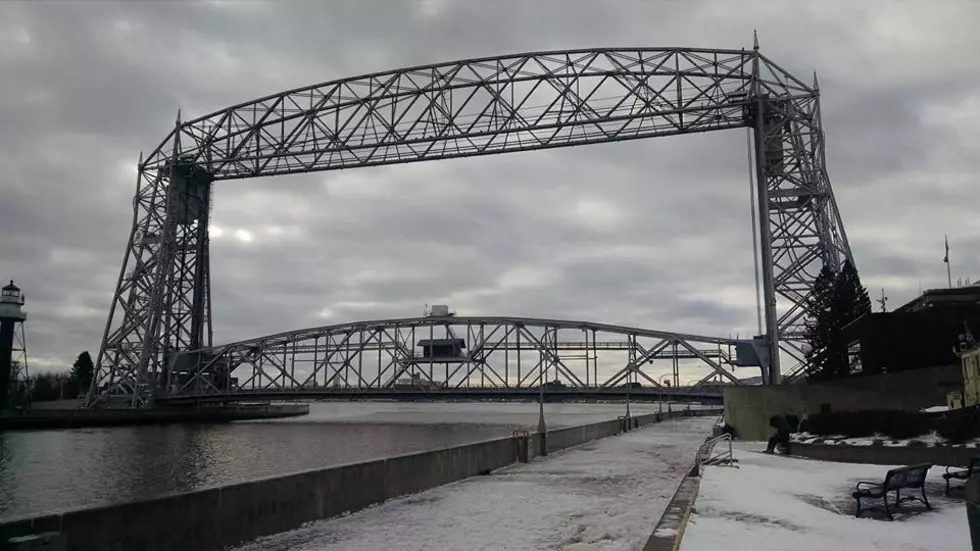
point(46, 471)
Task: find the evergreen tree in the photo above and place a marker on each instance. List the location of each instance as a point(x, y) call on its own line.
point(853, 298)
point(818, 329)
point(82, 371)
point(851, 302)
point(836, 300)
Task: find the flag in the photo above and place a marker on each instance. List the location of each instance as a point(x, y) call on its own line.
point(946, 258)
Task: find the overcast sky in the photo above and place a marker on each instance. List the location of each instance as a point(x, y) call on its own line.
point(653, 233)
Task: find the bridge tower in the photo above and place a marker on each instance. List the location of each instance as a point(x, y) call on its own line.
point(11, 314)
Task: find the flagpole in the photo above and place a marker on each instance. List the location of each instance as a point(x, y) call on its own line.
point(949, 273)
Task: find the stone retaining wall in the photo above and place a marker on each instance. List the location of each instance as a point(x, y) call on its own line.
point(888, 455)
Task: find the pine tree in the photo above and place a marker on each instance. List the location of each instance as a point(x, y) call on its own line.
point(82, 371)
point(851, 301)
point(817, 333)
point(836, 300)
point(854, 300)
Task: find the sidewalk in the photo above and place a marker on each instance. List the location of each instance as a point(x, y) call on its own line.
point(778, 503)
point(604, 496)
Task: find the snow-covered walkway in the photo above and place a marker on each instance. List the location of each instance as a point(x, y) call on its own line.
point(779, 503)
point(606, 495)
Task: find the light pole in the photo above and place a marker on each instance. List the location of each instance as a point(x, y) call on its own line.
point(629, 423)
point(664, 381)
point(630, 365)
point(542, 428)
point(660, 391)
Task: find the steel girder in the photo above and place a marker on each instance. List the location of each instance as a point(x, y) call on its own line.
point(465, 108)
point(493, 352)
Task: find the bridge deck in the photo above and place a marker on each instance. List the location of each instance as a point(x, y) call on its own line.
point(707, 396)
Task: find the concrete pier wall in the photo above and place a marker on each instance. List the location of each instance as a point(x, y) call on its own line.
point(215, 518)
point(748, 408)
point(888, 455)
point(46, 419)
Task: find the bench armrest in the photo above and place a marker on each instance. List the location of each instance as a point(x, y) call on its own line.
point(866, 483)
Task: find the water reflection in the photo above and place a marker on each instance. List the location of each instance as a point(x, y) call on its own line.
point(50, 470)
point(44, 471)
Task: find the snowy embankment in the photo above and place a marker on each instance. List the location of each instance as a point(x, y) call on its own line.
point(931, 439)
point(606, 495)
point(778, 503)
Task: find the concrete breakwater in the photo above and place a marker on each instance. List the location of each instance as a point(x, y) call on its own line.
point(35, 419)
point(218, 517)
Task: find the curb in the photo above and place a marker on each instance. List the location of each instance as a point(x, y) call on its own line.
point(667, 534)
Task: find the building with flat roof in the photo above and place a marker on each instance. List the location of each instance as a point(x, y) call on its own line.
point(933, 298)
point(924, 332)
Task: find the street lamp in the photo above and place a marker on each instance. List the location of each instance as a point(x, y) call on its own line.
point(629, 383)
point(664, 380)
point(542, 428)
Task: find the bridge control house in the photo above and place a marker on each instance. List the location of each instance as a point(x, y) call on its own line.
point(446, 350)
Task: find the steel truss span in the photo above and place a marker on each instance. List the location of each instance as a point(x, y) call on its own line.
point(452, 353)
point(521, 102)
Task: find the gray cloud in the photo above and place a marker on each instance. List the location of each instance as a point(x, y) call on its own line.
point(652, 233)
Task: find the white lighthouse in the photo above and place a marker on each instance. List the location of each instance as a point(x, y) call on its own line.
point(11, 313)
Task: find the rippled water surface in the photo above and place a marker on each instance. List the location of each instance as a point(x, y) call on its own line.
point(44, 471)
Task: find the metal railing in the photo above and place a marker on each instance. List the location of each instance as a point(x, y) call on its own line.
point(708, 456)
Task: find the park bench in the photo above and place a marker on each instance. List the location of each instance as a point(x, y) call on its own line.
point(961, 474)
point(912, 477)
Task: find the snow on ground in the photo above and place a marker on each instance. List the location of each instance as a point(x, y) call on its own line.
point(486, 413)
point(931, 439)
point(778, 503)
point(604, 496)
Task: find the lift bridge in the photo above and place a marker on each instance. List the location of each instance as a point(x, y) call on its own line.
point(157, 344)
point(450, 356)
